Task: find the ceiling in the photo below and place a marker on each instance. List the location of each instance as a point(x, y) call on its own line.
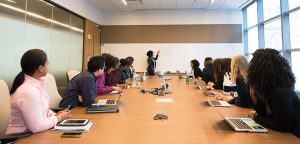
point(133, 5)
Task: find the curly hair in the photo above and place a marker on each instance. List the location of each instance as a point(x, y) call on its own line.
point(195, 63)
point(269, 70)
point(239, 65)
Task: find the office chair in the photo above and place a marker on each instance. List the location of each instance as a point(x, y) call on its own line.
point(5, 112)
point(71, 74)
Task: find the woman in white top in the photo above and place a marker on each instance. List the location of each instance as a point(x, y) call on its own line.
point(29, 102)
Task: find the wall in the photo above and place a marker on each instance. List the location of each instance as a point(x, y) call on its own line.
point(83, 8)
point(174, 56)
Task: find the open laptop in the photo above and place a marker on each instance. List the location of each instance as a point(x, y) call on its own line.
point(105, 106)
point(218, 103)
point(201, 84)
point(245, 125)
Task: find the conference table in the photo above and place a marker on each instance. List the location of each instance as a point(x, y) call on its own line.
point(190, 120)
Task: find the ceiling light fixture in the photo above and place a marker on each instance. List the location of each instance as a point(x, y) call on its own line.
point(212, 1)
point(125, 2)
point(40, 17)
point(11, 1)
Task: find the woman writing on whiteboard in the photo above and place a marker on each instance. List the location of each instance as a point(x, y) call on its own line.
point(151, 62)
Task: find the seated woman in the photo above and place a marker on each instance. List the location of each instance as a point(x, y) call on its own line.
point(208, 70)
point(197, 73)
point(125, 77)
point(110, 63)
point(221, 69)
point(239, 65)
point(272, 83)
point(29, 102)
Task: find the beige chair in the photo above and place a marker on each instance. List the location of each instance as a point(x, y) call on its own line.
point(51, 89)
point(71, 74)
point(5, 111)
point(5, 107)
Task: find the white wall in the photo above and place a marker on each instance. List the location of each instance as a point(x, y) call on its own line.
point(83, 8)
point(160, 17)
point(173, 56)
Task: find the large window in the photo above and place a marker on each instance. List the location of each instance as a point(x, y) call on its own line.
point(296, 68)
point(271, 8)
point(295, 29)
point(294, 3)
point(253, 39)
point(252, 14)
point(279, 29)
point(273, 37)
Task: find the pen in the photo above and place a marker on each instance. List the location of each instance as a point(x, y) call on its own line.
point(68, 108)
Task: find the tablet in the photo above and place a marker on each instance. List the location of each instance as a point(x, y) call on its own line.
point(74, 122)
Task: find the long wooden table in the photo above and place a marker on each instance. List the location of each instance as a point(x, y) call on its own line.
point(191, 120)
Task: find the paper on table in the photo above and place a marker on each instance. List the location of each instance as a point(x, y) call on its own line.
point(164, 100)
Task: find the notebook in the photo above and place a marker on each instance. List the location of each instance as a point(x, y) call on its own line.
point(109, 101)
point(201, 84)
point(218, 103)
point(245, 125)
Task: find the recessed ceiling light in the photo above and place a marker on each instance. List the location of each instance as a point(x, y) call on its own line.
point(125, 2)
point(11, 1)
point(212, 1)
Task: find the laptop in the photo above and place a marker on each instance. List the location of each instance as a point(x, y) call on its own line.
point(105, 106)
point(201, 84)
point(218, 103)
point(245, 125)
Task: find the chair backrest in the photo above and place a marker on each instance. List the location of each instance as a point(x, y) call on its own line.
point(5, 107)
point(51, 89)
point(71, 74)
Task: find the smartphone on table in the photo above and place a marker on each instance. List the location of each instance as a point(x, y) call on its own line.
point(71, 135)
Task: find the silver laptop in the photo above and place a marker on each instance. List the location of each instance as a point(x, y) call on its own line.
point(109, 101)
point(218, 103)
point(202, 85)
point(245, 125)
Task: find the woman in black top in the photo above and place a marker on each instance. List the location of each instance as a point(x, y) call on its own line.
point(272, 83)
point(221, 68)
point(239, 65)
point(151, 62)
point(208, 70)
point(195, 68)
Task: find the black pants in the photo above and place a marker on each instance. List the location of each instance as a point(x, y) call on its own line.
point(151, 72)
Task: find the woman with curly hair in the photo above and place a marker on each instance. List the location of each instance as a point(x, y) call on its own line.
point(195, 69)
point(272, 83)
point(239, 65)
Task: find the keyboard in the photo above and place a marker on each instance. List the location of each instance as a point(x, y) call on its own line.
point(209, 94)
point(218, 103)
point(110, 101)
point(238, 123)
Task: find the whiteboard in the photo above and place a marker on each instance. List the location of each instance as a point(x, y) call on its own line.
point(173, 56)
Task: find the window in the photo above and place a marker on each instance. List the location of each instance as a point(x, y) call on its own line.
point(252, 15)
point(295, 29)
point(293, 4)
point(253, 39)
point(296, 68)
point(273, 37)
point(271, 8)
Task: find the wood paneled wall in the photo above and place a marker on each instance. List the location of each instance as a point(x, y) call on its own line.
point(91, 41)
point(202, 33)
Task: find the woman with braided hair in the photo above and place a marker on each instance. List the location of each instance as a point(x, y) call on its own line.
point(272, 83)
